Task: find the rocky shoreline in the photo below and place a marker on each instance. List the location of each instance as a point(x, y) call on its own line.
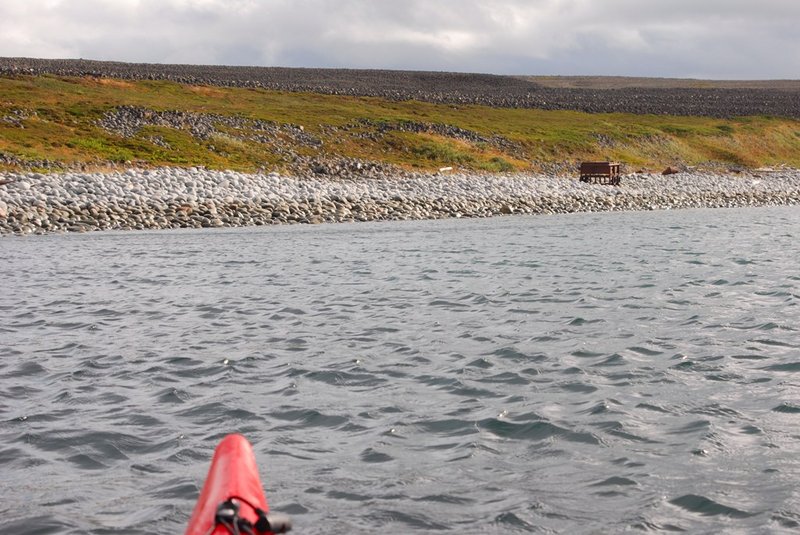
point(165, 198)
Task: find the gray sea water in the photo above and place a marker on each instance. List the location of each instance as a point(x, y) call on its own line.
point(582, 373)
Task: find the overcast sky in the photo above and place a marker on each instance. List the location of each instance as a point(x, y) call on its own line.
point(720, 39)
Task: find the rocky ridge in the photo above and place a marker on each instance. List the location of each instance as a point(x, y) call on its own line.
point(441, 87)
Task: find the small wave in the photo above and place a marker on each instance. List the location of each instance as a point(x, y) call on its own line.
point(70, 325)
point(708, 507)
point(616, 481)
point(386, 518)
point(647, 352)
point(311, 418)
point(787, 367)
point(454, 386)
point(602, 407)
point(509, 520)
point(581, 388)
point(26, 369)
point(172, 395)
point(449, 427)
point(786, 519)
point(750, 357)
point(87, 462)
point(445, 498)
point(774, 343)
point(617, 429)
point(370, 455)
point(787, 408)
point(37, 525)
point(585, 354)
point(652, 407)
point(106, 313)
point(481, 363)
point(448, 304)
point(348, 496)
point(216, 413)
point(175, 488)
point(612, 360)
point(515, 355)
point(509, 378)
point(715, 409)
point(536, 431)
point(578, 321)
point(343, 378)
point(292, 311)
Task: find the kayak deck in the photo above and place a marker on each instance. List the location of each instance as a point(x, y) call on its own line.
point(232, 499)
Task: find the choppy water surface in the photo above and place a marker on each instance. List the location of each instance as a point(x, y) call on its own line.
point(583, 373)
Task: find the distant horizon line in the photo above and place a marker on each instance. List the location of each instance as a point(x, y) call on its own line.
point(433, 71)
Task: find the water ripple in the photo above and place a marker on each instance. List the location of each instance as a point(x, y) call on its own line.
point(508, 375)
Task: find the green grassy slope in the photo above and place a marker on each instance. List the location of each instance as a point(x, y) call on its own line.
point(57, 119)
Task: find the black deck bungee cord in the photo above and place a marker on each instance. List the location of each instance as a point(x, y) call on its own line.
point(227, 515)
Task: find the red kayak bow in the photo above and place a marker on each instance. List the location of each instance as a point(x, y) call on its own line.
point(232, 499)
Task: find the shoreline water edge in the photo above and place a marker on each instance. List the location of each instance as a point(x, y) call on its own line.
point(164, 198)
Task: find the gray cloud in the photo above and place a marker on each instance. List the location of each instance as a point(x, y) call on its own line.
point(673, 38)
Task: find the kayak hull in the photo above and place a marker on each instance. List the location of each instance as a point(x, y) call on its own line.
point(233, 474)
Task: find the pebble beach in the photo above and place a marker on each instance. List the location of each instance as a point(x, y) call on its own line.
point(171, 198)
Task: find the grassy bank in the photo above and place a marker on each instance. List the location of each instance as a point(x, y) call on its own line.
point(51, 119)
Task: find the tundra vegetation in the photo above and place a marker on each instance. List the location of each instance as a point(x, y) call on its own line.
point(51, 122)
